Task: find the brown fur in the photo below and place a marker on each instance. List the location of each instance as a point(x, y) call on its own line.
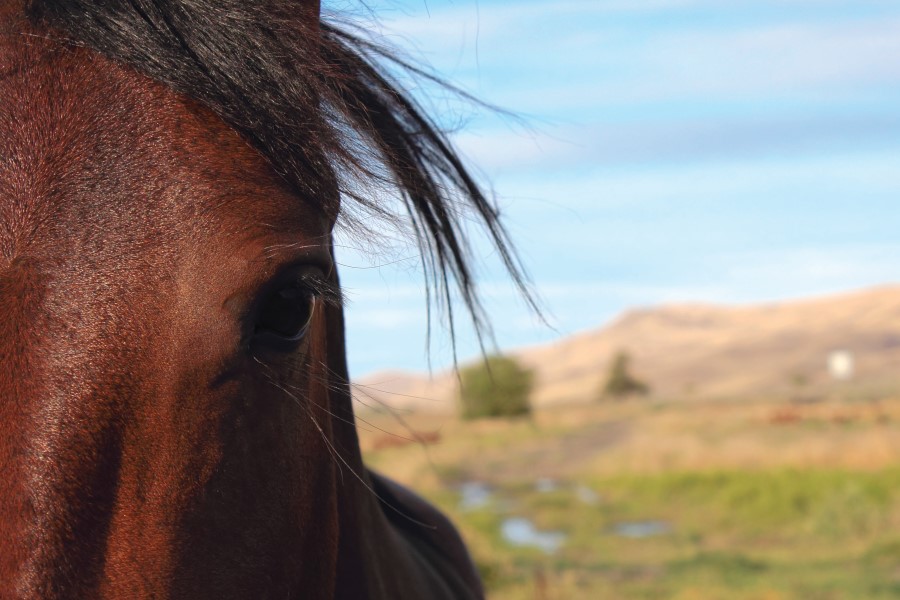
point(145, 450)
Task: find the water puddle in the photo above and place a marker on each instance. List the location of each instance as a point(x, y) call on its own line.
point(474, 495)
point(519, 531)
point(586, 495)
point(641, 529)
point(545, 485)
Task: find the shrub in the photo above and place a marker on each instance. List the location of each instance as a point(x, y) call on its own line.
point(620, 382)
point(497, 387)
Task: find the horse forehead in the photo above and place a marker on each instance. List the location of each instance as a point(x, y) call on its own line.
point(88, 147)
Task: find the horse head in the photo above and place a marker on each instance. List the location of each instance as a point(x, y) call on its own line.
point(174, 410)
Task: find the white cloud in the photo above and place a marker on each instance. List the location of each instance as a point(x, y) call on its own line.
point(677, 141)
point(808, 270)
point(542, 57)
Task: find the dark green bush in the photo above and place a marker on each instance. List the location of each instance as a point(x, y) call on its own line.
point(497, 387)
point(620, 382)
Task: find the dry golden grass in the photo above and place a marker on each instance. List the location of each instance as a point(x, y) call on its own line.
point(639, 437)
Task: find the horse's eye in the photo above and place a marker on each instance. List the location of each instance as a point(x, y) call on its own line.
point(285, 314)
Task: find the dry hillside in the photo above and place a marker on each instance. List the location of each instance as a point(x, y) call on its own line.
point(697, 351)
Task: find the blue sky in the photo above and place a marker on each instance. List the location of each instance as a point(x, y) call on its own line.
point(668, 151)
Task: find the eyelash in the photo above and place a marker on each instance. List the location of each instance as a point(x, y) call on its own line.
point(322, 289)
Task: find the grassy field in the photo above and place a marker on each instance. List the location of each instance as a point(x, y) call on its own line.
point(726, 500)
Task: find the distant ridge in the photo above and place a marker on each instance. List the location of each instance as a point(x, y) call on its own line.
point(701, 351)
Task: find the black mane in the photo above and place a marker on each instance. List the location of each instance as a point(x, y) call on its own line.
point(313, 99)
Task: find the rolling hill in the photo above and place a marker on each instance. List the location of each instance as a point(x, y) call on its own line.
point(700, 351)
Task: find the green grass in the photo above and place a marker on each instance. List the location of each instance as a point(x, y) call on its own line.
point(776, 533)
point(757, 508)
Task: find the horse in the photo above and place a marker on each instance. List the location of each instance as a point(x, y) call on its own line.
point(175, 410)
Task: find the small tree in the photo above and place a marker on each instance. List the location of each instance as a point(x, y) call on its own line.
point(497, 387)
point(620, 382)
